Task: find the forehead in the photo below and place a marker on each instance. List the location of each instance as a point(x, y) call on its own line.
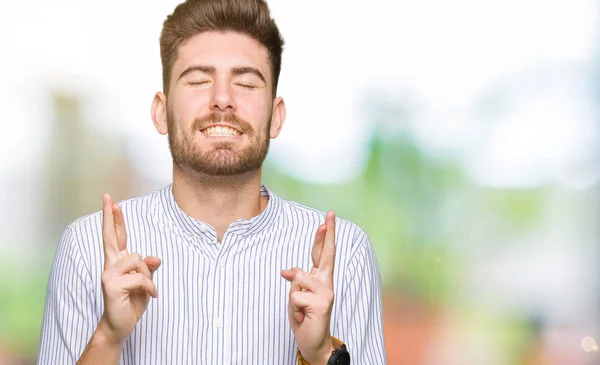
point(222, 50)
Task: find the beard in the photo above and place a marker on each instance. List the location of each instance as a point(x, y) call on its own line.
point(222, 158)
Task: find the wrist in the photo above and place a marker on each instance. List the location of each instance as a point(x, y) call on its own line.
point(103, 347)
point(323, 355)
point(104, 337)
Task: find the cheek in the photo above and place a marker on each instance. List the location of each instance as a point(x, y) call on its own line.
point(190, 105)
point(256, 110)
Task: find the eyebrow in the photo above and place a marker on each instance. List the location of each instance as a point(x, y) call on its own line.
point(236, 71)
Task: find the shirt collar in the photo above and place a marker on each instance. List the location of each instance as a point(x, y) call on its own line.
point(180, 221)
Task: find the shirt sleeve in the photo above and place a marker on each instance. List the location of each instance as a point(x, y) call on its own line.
point(359, 322)
point(69, 316)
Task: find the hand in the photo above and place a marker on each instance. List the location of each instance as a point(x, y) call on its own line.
point(127, 279)
point(311, 297)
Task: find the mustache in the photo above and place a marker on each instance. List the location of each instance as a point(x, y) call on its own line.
point(229, 118)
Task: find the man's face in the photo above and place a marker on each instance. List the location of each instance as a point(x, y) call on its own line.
point(220, 105)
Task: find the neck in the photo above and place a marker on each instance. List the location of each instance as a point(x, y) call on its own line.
point(218, 200)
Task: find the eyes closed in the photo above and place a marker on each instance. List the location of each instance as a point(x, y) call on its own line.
point(242, 84)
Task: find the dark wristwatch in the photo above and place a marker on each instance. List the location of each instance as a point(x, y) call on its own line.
point(340, 356)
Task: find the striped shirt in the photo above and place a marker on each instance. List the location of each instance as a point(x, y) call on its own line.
point(219, 303)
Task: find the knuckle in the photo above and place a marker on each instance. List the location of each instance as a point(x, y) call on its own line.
point(329, 296)
point(108, 287)
point(136, 257)
point(105, 278)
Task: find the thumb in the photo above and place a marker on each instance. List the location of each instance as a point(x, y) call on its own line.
point(153, 263)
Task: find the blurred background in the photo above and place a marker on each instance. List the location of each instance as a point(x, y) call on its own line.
point(463, 136)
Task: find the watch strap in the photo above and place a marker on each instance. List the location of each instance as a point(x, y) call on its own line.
point(301, 360)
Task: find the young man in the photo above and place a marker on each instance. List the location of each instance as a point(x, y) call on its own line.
point(237, 274)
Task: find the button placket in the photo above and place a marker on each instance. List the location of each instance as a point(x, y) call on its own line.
point(221, 287)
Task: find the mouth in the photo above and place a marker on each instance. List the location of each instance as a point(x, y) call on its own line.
point(221, 131)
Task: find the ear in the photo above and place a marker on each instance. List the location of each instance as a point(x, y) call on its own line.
point(277, 117)
point(159, 113)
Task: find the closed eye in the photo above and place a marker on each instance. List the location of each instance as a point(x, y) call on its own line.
point(197, 83)
point(247, 86)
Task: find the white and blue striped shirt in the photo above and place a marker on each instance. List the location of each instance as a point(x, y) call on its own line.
point(219, 303)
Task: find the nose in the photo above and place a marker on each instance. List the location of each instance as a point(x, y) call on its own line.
point(222, 97)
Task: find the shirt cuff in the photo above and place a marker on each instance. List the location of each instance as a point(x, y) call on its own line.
point(301, 360)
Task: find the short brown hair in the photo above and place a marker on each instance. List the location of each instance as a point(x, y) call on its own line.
point(250, 17)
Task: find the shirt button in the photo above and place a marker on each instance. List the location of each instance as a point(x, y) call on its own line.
point(203, 228)
point(218, 323)
point(222, 262)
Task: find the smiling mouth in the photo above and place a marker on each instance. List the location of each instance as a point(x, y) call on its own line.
point(221, 131)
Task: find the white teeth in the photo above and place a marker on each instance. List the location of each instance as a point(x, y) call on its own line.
point(221, 131)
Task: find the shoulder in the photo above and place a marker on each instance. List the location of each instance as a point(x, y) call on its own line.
point(136, 206)
point(86, 231)
point(348, 233)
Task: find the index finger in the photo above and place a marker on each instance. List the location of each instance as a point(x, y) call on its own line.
point(109, 234)
point(327, 262)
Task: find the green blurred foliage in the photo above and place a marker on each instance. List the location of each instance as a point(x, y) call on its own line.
point(22, 299)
